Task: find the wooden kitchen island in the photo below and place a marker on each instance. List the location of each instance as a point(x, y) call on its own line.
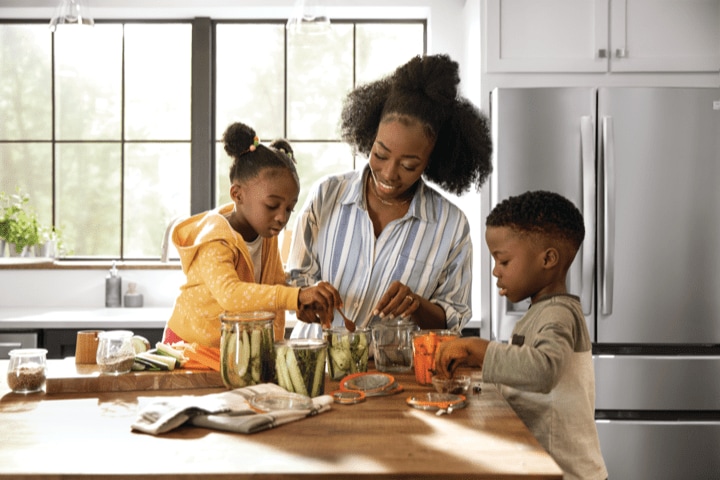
point(88, 435)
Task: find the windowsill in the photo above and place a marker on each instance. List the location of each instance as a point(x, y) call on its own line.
point(30, 263)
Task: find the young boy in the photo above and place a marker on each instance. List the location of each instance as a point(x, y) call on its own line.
point(546, 371)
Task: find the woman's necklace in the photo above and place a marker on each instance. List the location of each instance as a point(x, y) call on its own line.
point(372, 187)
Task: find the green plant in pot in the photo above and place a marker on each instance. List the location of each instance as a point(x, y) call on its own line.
point(18, 223)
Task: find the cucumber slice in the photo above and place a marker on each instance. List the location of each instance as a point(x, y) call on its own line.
point(162, 359)
point(150, 365)
point(165, 349)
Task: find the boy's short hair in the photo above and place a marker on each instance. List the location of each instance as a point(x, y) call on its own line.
point(540, 212)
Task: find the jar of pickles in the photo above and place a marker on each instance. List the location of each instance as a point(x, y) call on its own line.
point(347, 351)
point(300, 365)
point(247, 353)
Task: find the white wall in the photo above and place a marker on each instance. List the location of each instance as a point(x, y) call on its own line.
point(83, 288)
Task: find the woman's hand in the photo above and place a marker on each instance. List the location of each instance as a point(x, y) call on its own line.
point(316, 304)
point(461, 351)
point(398, 301)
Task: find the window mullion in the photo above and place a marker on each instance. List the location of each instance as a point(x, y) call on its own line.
point(202, 190)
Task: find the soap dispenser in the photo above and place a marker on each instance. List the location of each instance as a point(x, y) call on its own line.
point(133, 298)
point(113, 288)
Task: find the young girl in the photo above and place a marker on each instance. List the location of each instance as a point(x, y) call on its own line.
point(230, 255)
point(546, 371)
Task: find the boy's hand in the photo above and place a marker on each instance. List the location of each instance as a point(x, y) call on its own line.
point(462, 351)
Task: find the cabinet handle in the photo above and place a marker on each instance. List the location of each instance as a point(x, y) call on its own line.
point(602, 53)
point(621, 53)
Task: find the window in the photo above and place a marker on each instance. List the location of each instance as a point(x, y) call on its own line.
point(96, 125)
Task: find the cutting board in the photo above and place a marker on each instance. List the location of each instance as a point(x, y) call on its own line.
point(64, 376)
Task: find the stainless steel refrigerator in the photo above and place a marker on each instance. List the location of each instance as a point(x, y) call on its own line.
point(643, 165)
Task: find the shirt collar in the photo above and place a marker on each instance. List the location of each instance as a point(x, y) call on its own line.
point(356, 194)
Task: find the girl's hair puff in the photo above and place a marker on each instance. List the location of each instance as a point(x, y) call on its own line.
point(250, 157)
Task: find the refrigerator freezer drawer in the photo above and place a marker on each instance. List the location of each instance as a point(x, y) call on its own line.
point(687, 383)
point(660, 450)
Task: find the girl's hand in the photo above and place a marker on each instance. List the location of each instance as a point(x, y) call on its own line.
point(316, 304)
point(461, 351)
point(398, 301)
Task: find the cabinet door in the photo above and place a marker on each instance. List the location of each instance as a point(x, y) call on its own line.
point(665, 35)
point(547, 35)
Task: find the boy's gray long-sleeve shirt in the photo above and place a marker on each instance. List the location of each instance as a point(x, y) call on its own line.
point(549, 381)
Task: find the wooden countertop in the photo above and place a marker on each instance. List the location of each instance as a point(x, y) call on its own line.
point(76, 435)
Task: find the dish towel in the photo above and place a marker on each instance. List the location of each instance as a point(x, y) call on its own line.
point(228, 411)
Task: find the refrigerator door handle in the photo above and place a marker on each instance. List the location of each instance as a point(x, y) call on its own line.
point(587, 140)
point(608, 250)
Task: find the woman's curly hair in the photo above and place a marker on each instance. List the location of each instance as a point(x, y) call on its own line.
point(425, 89)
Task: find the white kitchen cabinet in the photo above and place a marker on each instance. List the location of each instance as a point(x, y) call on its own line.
point(602, 36)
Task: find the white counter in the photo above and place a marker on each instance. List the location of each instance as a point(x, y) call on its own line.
point(43, 318)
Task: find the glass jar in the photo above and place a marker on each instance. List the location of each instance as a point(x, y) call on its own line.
point(347, 351)
point(392, 345)
point(115, 352)
point(300, 365)
point(27, 370)
point(425, 344)
point(247, 353)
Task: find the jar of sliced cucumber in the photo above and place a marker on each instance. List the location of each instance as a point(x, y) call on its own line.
point(247, 351)
point(300, 365)
point(347, 351)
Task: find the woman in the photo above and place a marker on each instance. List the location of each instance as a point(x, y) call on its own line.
point(391, 244)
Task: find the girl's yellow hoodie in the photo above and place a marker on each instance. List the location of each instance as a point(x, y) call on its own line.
point(220, 277)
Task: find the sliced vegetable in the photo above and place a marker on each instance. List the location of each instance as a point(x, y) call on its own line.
point(296, 376)
point(283, 376)
point(165, 349)
point(158, 360)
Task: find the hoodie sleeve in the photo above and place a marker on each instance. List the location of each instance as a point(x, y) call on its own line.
point(233, 288)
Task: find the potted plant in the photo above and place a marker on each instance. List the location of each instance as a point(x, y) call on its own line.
point(18, 224)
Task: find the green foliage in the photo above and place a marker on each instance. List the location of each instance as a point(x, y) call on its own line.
point(18, 222)
point(19, 225)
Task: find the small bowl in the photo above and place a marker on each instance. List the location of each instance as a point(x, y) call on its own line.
point(456, 385)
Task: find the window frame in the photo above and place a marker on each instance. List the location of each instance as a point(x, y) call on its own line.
point(203, 131)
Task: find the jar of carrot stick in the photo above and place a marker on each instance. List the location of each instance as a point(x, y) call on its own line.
point(425, 344)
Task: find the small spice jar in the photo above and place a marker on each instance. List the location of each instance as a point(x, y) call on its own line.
point(247, 351)
point(27, 370)
point(115, 353)
point(300, 365)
